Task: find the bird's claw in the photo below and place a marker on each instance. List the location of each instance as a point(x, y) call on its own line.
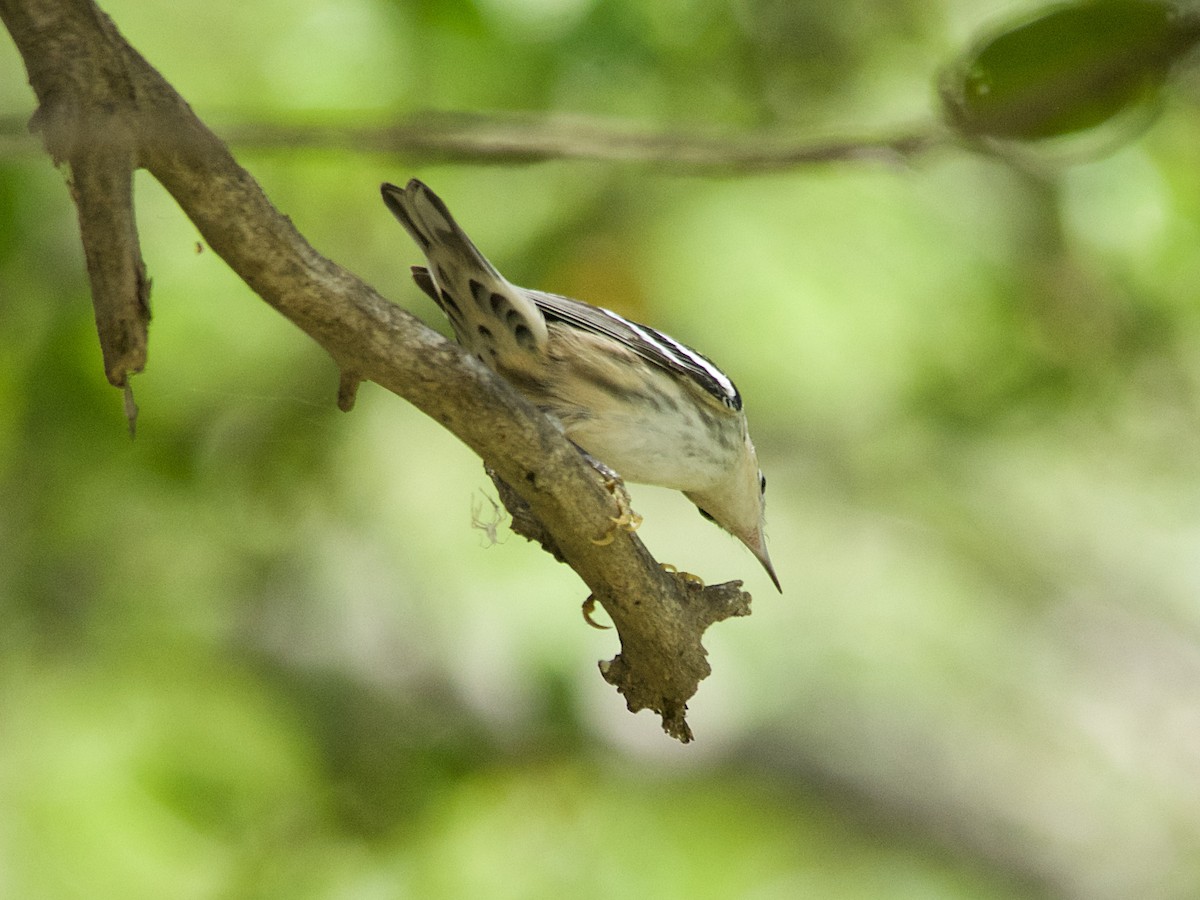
point(686, 577)
point(589, 607)
point(628, 520)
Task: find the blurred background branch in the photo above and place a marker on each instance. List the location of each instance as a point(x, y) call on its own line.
point(468, 137)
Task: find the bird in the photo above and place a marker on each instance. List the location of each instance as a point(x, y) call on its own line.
point(642, 404)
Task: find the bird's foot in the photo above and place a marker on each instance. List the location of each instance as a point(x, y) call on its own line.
point(626, 519)
point(686, 577)
point(589, 607)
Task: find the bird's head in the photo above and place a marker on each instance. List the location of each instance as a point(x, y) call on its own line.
point(737, 504)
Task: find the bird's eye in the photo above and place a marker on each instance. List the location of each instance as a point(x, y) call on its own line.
point(762, 483)
point(706, 514)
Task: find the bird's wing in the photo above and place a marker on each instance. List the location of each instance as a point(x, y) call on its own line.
point(650, 344)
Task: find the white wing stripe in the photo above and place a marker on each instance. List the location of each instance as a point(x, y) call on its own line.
point(718, 376)
point(673, 350)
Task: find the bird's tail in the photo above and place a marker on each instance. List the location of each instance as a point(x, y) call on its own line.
point(491, 317)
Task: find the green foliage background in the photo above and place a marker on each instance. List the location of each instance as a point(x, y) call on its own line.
point(262, 651)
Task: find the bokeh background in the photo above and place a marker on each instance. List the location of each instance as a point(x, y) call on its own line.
point(270, 650)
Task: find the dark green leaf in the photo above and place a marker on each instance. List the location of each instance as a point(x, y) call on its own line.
point(1068, 70)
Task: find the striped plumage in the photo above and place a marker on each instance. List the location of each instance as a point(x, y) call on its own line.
point(640, 402)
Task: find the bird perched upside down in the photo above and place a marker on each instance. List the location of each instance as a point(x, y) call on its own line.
point(632, 398)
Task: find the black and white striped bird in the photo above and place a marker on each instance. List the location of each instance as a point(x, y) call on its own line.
point(638, 401)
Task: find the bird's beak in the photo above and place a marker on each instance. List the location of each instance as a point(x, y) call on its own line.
point(757, 544)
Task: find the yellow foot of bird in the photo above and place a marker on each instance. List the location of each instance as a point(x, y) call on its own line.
point(628, 520)
point(589, 607)
point(687, 577)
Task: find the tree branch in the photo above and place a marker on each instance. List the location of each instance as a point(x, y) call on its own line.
point(87, 126)
point(474, 137)
point(523, 139)
point(103, 109)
